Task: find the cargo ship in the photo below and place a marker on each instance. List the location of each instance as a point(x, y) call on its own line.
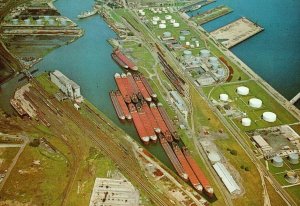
point(123, 60)
point(117, 106)
point(142, 88)
point(199, 173)
point(187, 168)
point(132, 87)
point(138, 124)
point(172, 157)
point(123, 105)
point(122, 85)
point(161, 124)
point(145, 121)
point(168, 122)
point(151, 121)
point(148, 87)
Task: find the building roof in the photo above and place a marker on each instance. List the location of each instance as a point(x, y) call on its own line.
point(65, 80)
point(260, 141)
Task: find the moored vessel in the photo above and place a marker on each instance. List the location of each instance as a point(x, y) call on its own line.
point(123, 105)
point(123, 60)
point(117, 106)
point(122, 87)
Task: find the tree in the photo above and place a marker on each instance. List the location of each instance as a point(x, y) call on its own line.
point(233, 152)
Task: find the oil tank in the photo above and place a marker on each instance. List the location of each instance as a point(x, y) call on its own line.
point(39, 21)
point(294, 158)
point(182, 38)
point(224, 97)
point(15, 21)
point(187, 54)
point(269, 116)
point(291, 177)
point(176, 25)
point(163, 21)
point(168, 17)
point(51, 21)
point(246, 122)
point(155, 18)
point(162, 26)
point(167, 34)
point(27, 21)
point(242, 90)
point(63, 22)
point(204, 53)
point(213, 60)
point(172, 21)
point(255, 103)
point(277, 161)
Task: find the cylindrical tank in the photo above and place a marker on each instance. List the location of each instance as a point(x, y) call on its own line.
point(255, 103)
point(215, 65)
point(15, 21)
point(27, 21)
point(167, 34)
point(213, 60)
point(197, 44)
point(176, 24)
point(63, 22)
point(195, 62)
point(185, 32)
point(224, 97)
point(172, 21)
point(168, 17)
point(187, 54)
point(187, 43)
point(155, 18)
point(204, 53)
point(246, 122)
point(162, 26)
point(154, 22)
point(143, 13)
point(291, 177)
point(277, 161)
point(182, 38)
point(46, 18)
point(221, 71)
point(294, 158)
point(163, 21)
point(242, 90)
point(51, 21)
point(39, 21)
point(269, 116)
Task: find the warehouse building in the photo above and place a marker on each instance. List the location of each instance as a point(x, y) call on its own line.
point(67, 86)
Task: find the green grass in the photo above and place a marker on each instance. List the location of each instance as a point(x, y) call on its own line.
point(44, 80)
point(295, 193)
point(241, 103)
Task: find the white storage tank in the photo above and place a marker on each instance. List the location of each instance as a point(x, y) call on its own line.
point(182, 38)
point(187, 54)
point(187, 43)
point(215, 65)
point(269, 116)
point(167, 34)
point(162, 26)
point(277, 161)
point(51, 21)
point(15, 21)
point(213, 60)
point(255, 103)
point(154, 22)
point(172, 21)
point(204, 53)
point(246, 122)
point(143, 13)
point(155, 18)
point(27, 21)
point(242, 90)
point(168, 17)
point(46, 18)
point(163, 21)
point(195, 62)
point(63, 22)
point(294, 158)
point(221, 71)
point(224, 97)
point(176, 25)
point(39, 21)
point(291, 177)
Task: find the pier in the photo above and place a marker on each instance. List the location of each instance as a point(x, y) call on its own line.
point(236, 32)
point(197, 5)
point(295, 99)
point(211, 14)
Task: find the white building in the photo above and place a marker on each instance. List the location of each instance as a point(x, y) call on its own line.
point(108, 192)
point(67, 86)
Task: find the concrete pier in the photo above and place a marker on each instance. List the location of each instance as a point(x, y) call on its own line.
point(295, 99)
point(236, 32)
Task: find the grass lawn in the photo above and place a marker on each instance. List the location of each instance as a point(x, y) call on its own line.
point(241, 103)
point(295, 193)
point(44, 80)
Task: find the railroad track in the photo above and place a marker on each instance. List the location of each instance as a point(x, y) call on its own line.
point(126, 163)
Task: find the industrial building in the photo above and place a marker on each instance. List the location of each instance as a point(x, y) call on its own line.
point(179, 102)
point(67, 86)
point(114, 192)
point(226, 178)
point(261, 143)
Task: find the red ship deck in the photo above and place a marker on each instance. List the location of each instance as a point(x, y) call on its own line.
point(117, 106)
point(151, 118)
point(173, 158)
point(162, 125)
point(138, 124)
point(123, 105)
point(148, 87)
point(122, 85)
point(125, 59)
point(132, 83)
point(198, 172)
point(187, 168)
point(147, 124)
point(142, 88)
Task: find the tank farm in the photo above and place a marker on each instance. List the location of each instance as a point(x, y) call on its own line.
point(135, 101)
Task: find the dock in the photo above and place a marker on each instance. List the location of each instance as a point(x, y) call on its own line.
point(211, 14)
point(236, 32)
point(295, 99)
point(196, 5)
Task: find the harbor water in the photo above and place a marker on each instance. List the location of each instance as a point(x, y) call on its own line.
point(274, 53)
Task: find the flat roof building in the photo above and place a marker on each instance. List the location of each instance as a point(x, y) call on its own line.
point(114, 192)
